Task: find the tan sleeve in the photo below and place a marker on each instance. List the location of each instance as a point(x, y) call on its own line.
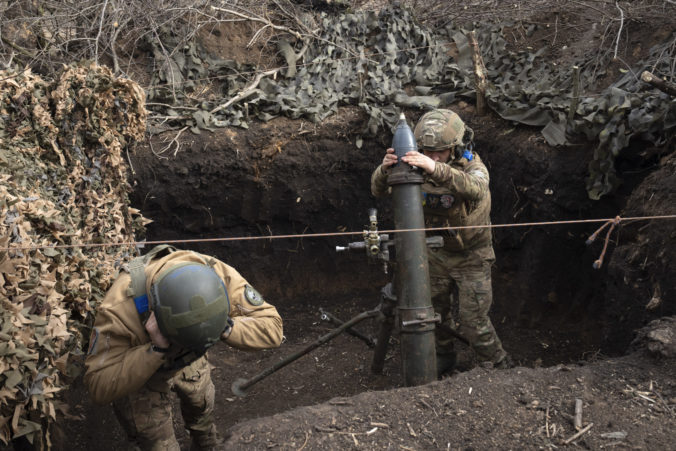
point(472, 183)
point(255, 326)
point(119, 361)
point(379, 186)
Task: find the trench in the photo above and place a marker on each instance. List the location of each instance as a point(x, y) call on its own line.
point(546, 298)
point(548, 304)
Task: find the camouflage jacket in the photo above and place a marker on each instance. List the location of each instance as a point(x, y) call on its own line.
point(455, 194)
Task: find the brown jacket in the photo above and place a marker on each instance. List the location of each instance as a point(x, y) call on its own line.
point(120, 360)
point(455, 194)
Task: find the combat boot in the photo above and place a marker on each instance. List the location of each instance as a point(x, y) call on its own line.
point(209, 440)
point(505, 363)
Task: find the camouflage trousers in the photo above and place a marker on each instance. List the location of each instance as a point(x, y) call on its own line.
point(462, 294)
point(146, 415)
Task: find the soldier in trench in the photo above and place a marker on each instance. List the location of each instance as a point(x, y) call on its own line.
point(150, 338)
point(455, 193)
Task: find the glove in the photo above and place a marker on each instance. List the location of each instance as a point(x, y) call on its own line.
point(228, 329)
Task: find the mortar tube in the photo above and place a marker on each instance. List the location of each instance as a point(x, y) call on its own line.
point(419, 362)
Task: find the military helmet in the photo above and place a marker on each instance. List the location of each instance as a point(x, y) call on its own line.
point(191, 305)
point(439, 130)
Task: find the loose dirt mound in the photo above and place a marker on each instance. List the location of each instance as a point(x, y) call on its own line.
point(626, 402)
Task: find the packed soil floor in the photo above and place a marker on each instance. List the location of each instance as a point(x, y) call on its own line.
point(329, 399)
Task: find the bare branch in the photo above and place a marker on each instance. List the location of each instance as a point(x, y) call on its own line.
point(251, 88)
point(619, 32)
point(98, 36)
point(246, 92)
point(259, 19)
point(662, 85)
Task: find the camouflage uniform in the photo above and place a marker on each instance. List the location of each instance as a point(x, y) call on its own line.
point(457, 194)
point(122, 367)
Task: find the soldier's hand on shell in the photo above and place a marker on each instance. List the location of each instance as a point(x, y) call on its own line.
point(389, 159)
point(419, 160)
point(155, 334)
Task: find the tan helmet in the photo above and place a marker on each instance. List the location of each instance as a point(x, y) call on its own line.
point(439, 130)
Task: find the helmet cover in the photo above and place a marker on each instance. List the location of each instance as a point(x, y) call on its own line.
point(439, 130)
point(191, 305)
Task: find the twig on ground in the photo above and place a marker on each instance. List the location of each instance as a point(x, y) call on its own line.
point(411, 431)
point(307, 437)
point(380, 425)
point(577, 421)
point(664, 402)
point(579, 434)
point(426, 404)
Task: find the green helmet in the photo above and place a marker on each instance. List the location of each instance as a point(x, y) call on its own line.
point(439, 130)
point(191, 305)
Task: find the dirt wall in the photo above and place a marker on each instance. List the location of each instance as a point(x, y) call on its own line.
point(292, 177)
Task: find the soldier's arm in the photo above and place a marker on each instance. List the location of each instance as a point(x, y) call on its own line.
point(379, 186)
point(472, 185)
point(256, 324)
point(115, 368)
point(260, 328)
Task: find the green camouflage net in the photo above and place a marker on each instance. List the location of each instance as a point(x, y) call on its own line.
point(383, 62)
point(532, 91)
point(62, 182)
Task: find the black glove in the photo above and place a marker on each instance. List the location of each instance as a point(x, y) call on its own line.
point(228, 327)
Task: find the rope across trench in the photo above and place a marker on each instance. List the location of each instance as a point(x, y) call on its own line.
point(612, 222)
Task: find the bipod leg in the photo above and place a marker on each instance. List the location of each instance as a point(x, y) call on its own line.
point(240, 386)
point(387, 303)
point(326, 316)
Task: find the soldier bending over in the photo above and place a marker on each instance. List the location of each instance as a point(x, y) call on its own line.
point(151, 335)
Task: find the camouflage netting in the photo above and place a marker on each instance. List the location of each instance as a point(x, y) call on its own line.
point(62, 182)
point(377, 61)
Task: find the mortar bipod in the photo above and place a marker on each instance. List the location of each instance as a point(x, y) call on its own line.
point(326, 316)
point(240, 386)
point(388, 302)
